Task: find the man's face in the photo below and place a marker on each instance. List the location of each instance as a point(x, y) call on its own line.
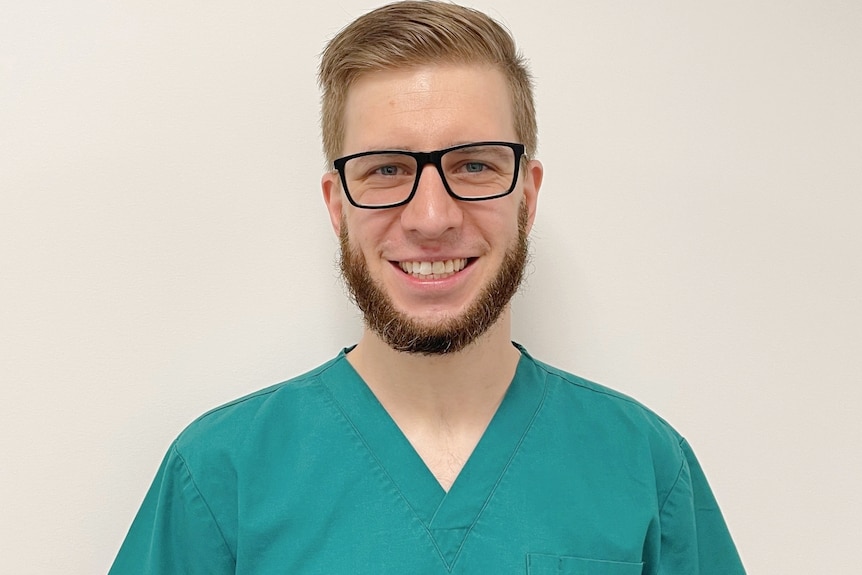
point(424, 309)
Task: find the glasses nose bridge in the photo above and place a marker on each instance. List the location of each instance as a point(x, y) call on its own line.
point(425, 158)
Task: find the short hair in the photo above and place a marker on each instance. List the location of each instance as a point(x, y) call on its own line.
point(414, 33)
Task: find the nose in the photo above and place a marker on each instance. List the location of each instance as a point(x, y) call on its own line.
point(432, 212)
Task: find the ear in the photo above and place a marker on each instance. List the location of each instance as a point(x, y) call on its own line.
point(533, 174)
point(332, 196)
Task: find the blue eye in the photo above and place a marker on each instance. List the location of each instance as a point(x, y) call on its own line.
point(474, 167)
point(388, 170)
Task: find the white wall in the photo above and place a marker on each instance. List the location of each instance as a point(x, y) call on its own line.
point(164, 248)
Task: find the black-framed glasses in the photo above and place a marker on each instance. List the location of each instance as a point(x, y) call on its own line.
point(470, 172)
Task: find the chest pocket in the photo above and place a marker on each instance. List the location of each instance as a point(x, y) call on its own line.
point(538, 564)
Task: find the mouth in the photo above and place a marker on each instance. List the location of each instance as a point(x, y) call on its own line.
point(433, 270)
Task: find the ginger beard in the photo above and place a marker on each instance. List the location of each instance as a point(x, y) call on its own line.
point(451, 333)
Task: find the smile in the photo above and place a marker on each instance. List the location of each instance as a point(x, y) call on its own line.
point(433, 270)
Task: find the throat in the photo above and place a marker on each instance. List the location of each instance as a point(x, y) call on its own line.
point(442, 404)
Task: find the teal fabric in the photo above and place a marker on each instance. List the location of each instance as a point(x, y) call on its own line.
point(312, 476)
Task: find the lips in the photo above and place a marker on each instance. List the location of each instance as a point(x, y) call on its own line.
point(433, 269)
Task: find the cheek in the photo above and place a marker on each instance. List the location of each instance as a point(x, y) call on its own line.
point(364, 231)
point(503, 226)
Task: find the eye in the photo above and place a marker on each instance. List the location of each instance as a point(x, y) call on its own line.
point(474, 167)
point(389, 170)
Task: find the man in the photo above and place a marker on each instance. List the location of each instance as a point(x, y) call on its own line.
point(434, 445)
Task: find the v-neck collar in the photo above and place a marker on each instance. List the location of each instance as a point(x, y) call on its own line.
point(447, 517)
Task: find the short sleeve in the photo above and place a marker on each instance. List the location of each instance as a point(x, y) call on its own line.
point(694, 537)
point(174, 530)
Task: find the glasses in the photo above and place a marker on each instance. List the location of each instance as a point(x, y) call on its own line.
point(470, 172)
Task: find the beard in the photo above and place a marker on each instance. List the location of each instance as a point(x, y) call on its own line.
point(451, 333)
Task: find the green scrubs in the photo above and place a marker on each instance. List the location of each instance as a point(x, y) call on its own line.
point(312, 476)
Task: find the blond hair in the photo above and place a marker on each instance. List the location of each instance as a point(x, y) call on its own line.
point(413, 33)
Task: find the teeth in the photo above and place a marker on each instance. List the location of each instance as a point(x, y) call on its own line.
point(434, 270)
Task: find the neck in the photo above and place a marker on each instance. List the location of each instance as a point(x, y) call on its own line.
point(457, 387)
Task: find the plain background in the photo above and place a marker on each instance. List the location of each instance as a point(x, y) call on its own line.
point(164, 246)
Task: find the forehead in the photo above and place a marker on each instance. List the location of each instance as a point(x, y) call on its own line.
point(427, 107)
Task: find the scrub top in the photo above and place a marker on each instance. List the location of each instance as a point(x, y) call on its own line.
point(312, 476)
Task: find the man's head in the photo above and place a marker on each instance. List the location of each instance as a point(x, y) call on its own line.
point(436, 270)
point(418, 33)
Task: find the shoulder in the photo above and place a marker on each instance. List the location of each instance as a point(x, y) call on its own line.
point(227, 427)
point(597, 396)
point(586, 409)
